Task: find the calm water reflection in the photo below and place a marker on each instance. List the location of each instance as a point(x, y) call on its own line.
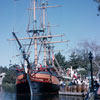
point(48, 97)
point(37, 97)
point(6, 94)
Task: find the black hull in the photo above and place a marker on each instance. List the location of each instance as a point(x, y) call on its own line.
point(37, 88)
point(22, 88)
point(41, 87)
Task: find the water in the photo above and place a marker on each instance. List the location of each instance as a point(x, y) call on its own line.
point(9, 94)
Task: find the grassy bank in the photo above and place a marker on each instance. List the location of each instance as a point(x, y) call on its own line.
point(9, 87)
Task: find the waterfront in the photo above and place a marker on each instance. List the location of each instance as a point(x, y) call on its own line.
point(10, 94)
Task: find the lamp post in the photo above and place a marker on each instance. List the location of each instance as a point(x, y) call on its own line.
point(92, 82)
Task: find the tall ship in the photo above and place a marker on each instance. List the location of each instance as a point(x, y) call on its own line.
point(34, 77)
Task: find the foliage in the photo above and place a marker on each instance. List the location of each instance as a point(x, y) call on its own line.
point(94, 47)
point(10, 77)
point(80, 57)
point(3, 69)
point(60, 59)
point(98, 1)
point(74, 60)
point(9, 87)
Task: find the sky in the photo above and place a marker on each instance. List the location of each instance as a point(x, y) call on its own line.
point(76, 19)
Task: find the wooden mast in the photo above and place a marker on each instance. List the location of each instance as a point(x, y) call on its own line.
point(44, 6)
point(44, 39)
point(35, 34)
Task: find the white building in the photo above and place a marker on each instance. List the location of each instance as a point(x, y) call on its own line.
point(2, 75)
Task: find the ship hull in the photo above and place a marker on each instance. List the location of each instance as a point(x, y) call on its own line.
point(41, 87)
point(22, 88)
point(37, 88)
point(41, 82)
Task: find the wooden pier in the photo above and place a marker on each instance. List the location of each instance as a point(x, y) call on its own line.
point(74, 90)
point(72, 93)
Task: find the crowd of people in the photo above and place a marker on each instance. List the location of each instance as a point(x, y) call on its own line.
point(79, 82)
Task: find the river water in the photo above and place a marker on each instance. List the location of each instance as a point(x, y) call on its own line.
point(10, 94)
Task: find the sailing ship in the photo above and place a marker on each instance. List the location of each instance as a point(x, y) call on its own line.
point(33, 77)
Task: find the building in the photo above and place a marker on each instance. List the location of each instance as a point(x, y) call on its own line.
point(2, 75)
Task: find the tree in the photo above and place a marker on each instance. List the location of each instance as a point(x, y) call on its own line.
point(98, 1)
point(61, 60)
point(3, 69)
point(79, 58)
point(73, 60)
point(94, 47)
point(10, 77)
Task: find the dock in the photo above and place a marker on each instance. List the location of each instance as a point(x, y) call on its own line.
point(74, 90)
point(72, 93)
